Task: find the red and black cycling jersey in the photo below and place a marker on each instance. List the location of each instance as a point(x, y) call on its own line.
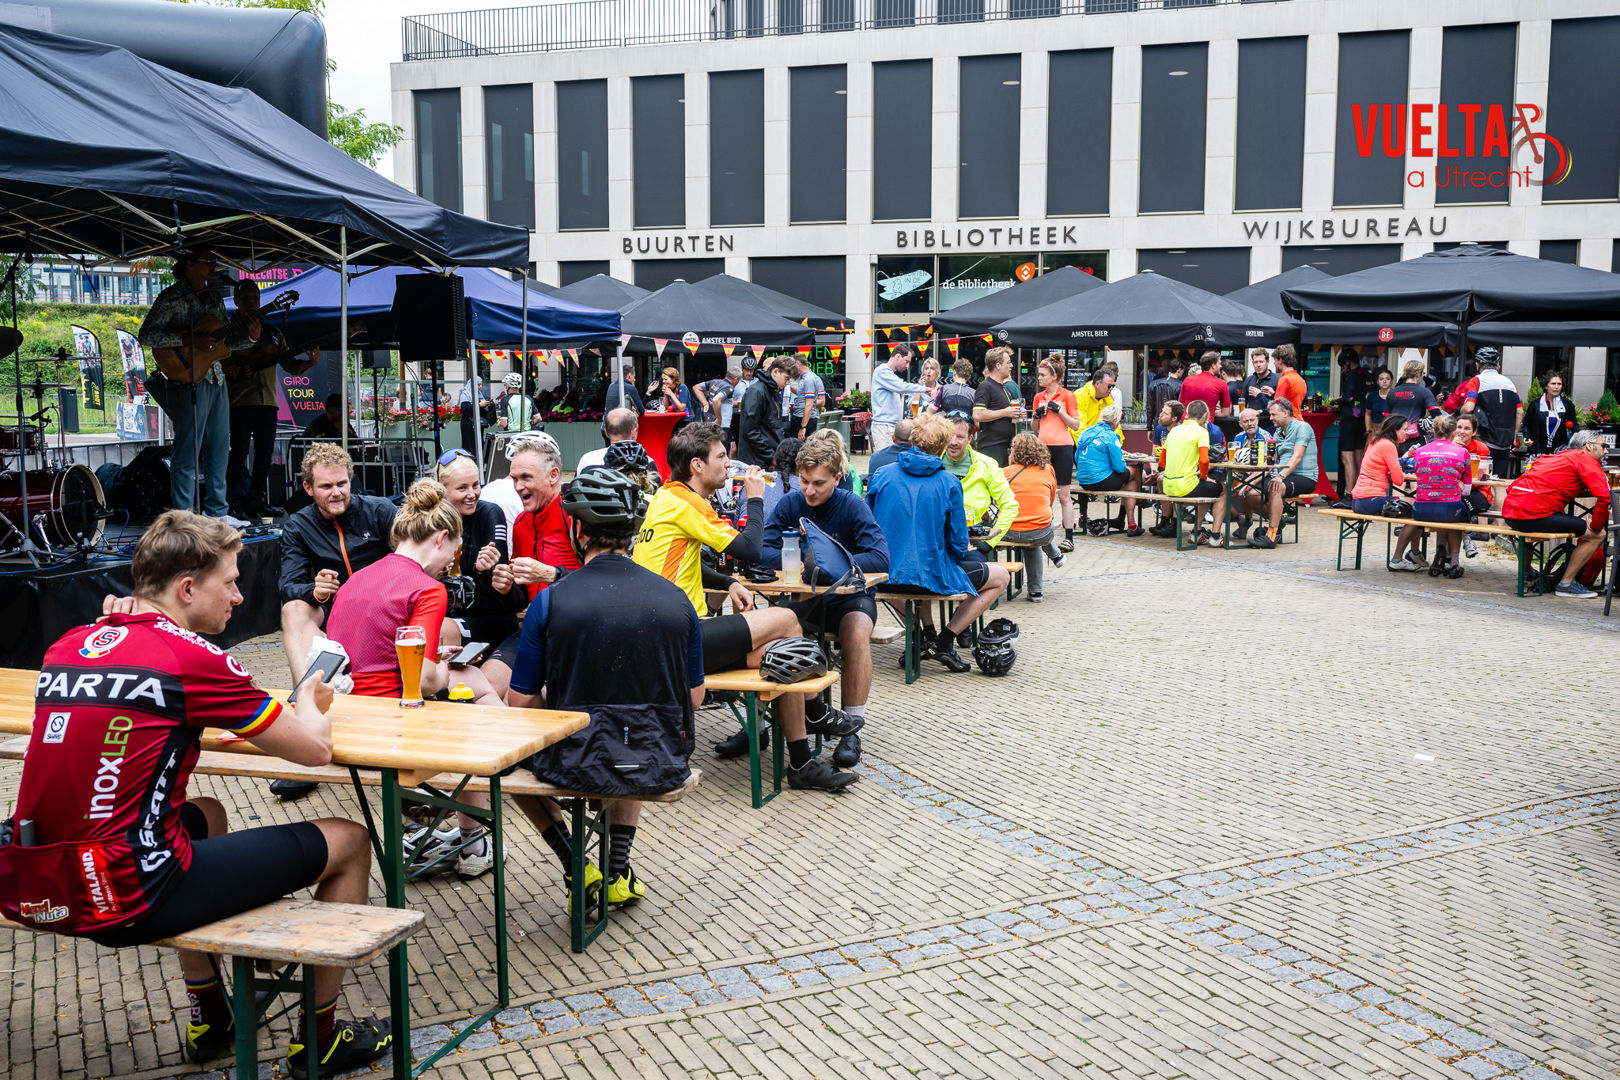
point(119, 709)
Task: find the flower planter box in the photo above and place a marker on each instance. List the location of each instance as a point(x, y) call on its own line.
point(575, 438)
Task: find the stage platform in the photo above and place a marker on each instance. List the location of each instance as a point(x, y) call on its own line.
point(39, 605)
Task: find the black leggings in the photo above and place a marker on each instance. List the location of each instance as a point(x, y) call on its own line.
point(229, 874)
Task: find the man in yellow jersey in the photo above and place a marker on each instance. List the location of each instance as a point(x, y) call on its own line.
point(680, 523)
point(1186, 474)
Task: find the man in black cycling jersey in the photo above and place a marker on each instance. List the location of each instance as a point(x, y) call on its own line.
point(623, 644)
point(322, 546)
point(118, 854)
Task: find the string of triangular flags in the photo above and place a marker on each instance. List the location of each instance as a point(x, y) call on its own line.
point(923, 342)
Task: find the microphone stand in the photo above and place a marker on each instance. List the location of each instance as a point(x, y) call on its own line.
point(29, 548)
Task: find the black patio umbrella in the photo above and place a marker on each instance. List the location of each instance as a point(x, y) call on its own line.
point(978, 316)
point(1266, 296)
point(777, 303)
point(680, 309)
point(1470, 286)
point(1148, 310)
point(601, 291)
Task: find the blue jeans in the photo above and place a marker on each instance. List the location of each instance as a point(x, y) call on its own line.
point(202, 445)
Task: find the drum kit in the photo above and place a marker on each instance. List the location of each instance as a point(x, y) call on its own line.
point(59, 507)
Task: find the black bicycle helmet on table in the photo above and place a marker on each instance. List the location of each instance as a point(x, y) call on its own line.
point(605, 498)
point(630, 457)
point(995, 652)
point(792, 660)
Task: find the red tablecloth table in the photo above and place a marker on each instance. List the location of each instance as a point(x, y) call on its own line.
point(1320, 422)
point(653, 434)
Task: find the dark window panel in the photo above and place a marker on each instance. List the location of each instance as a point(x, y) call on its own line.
point(1174, 92)
point(887, 13)
point(817, 133)
point(509, 153)
point(957, 11)
point(656, 273)
point(1372, 71)
point(818, 279)
point(1217, 270)
point(790, 16)
point(737, 148)
point(754, 17)
point(658, 150)
point(582, 194)
point(1032, 9)
point(902, 139)
point(837, 15)
point(1583, 109)
point(438, 147)
point(1270, 124)
point(987, 176)
point(1343, 259)
point(1476, 68)
point(1078, 131)
point(570, 272)
point(1564, 251)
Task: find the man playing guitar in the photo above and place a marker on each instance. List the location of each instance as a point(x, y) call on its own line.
point(251, 379)
point(179, 321)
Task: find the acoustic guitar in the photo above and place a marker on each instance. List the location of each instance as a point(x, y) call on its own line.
point(188, 364)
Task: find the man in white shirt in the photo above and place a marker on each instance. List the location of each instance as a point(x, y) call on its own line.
point(889, 393)
point(618, 426)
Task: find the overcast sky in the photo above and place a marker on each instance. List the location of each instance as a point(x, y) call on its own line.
point(363, 37)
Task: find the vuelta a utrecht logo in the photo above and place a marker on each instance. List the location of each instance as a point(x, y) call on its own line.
point(1431, 132)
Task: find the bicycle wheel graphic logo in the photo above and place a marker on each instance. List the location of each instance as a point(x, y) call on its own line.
point(1545, 150)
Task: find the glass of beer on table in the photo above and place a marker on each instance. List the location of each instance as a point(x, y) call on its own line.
point(410, 643)
point(1473, 466)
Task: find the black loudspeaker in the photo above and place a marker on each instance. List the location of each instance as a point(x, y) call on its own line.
point(430, 317)
point(376, 359)
point(142, 488)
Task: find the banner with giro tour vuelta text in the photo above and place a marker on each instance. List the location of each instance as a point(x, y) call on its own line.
point(134, 364)
point(87, 347)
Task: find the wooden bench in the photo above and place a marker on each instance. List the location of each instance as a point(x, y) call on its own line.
point(756, 689)
point(1150, 497)
point(910, 606)
point(298, 935)
point(589, 811)
point(1352, 523)
point(1015, 567)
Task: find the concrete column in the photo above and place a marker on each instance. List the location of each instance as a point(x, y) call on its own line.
point(546, 187)
point(947, 138)
point(1423, 88)
point(474, 183)
point(858, 158)
point(776, 145)
point(1220, 128)
point(1125, 133)
point(1321, 96)
point(621, 192)
point(1035, 72)
point(697, 149)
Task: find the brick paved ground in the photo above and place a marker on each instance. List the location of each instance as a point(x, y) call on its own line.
point(1233, 814)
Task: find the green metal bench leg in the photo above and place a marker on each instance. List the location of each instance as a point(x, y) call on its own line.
point(586, 825)
point(245, 1016)
point(399, 965)
point(913, 643)
point(311, 1025)
point(777, 745)
point(756, 784)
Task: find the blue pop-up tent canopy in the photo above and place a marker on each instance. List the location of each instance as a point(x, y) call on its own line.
point(495, 305)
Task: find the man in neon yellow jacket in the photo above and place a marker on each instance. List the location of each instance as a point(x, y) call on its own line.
point(983, 485)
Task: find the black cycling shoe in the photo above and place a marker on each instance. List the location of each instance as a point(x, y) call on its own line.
point(292, 790)
point(354, 1043)
point(817, 775)
point(952, 659)
point(206, 1042)
point(736, 744)
point(848, 752)
point(925, 645)
point(835, 723)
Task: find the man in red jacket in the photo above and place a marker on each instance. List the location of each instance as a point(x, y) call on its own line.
point(1536, 502)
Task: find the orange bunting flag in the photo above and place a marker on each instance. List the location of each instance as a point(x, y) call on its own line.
point(987, 339)
point(658, 344)
point(805, 322)
point(928, 331)
point(837, 351)
point(953, 343)
point(885, 330)
point(804, 350)
point(758, 351)
point(867, 349)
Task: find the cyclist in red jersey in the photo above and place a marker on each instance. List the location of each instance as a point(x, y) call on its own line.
point(541, 550)
point(112, 849)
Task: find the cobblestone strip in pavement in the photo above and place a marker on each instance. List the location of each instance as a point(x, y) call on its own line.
point(1111, 895)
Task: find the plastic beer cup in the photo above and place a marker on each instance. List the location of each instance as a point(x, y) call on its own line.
point(410, 643)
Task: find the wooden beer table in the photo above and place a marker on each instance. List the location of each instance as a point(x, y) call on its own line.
point(407, 747)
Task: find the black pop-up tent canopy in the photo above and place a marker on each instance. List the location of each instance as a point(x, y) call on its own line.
point(601, 291)
point(978, 316)
point(1146, 310)
point(1266, 296)
point(1487, 294)
point(129, 171)
point(777, 303)
point(719, 322)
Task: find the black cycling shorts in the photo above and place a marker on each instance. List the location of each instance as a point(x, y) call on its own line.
point(1552, 523)
point(229, 874)
point(1204, 489)
point(506, 652)
point(1062, 464)
point(827, 612)
point(1114, 481)
point(1295, 485)
point(973, 564)
point(727, 641)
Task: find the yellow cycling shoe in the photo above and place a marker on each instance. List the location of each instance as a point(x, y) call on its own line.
point(593, 887)
point(626, 890)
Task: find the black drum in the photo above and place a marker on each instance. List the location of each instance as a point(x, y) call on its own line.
point(67, 503)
